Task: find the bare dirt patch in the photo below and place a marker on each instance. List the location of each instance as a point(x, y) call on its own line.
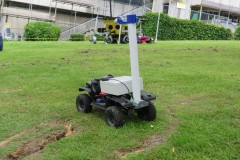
point(87, 51)
point(100, 51)
point(6, 141)
point(10, 90)
point(35, 146)
point(190, 100)
point(153, 140)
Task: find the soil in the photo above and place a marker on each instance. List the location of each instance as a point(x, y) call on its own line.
point(6, 141)
point(35, 146)
point(153, 140)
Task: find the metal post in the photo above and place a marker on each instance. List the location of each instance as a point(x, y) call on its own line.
point(50, 7)
point(110, 2)
point(229, 12)
point(71, 16)
point(200, 16)
point(75, 17)
point(2, 18)
point(208, 17)
point(55, 13)
point(220, 8)
point(119, 36)
point(31, 9)
point(140, 27)
point(158, 22)
point(2, 5)
point(190, 10)
point(96, 24)
point(122, 8)
point(129, 5)
point(228, 19)
point(134, 62)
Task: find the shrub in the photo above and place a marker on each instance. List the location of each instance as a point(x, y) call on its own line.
point(99, 37)
point(86, 37)
point(237, 34)
point(41, 31)
point(177, 29)
point(77, 37)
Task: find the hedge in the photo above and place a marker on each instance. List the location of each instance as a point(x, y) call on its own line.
point(237, 34)
point(99, 37)
point(41, 31)
point(77, 37)
point(177, 29)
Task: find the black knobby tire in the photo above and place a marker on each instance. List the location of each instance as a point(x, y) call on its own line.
point(126, 39)
point(83, 103)
point(114, 116)
point(93, 39)
point(147, 113)
point(108, 40)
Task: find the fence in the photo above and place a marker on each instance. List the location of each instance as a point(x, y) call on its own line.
point(98, 23)
point(208, 18)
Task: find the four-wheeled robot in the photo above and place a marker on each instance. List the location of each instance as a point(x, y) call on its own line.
point(114, 96)
point(119, 95)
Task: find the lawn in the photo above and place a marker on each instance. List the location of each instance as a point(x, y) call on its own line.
point(197, 84)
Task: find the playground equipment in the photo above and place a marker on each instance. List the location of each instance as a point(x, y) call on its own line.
point(117, 33)
point(119, 95)
point(8, 32)
point(112, 32)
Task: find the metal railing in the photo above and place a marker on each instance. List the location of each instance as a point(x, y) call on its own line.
point(83, 28)
point(138, 11)
point(19, 12)
point(222, 21)
point(98, 23)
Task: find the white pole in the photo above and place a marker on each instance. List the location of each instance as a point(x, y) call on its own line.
point(119, 36)
point(50, 7)
point(134, 62)
point(31, 10)
point(140, 28)
point(96, 24)
point(129, 5)
point(55, 13)
point(75, 17)
point(2, 5)
point(229, 12)
point(158, 22)
point(2, 19)
point(220, 8)
point(200, 16)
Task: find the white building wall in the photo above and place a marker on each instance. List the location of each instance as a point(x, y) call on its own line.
point(182, 13)
point(224, 5)
point(158, 5)
point(99, 7)
point(17, 25)
point(62, 20)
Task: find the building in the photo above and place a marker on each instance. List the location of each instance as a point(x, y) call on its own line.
point(70, 15)
point(224, 13)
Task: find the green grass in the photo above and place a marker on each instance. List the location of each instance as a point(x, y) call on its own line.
point(197, 83)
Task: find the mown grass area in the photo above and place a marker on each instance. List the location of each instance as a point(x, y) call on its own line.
point(197, 84)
